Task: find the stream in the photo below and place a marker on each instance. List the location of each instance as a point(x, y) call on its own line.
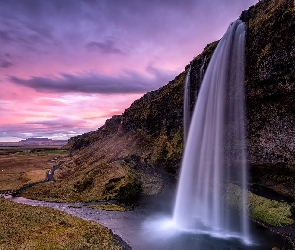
point(147, 227)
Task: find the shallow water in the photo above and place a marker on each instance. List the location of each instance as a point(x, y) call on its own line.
point(149, 226)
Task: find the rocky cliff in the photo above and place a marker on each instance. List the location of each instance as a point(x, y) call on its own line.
point(270, 81)
point(140, 150)
point(270, 91)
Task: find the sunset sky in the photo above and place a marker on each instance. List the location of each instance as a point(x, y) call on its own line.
point(68, 65)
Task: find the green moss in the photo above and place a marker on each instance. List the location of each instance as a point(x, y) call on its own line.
point(272, 212)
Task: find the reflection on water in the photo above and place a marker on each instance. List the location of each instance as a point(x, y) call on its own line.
point(149, 226)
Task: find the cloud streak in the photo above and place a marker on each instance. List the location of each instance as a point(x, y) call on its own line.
point(107, 47)
point(5, 64)
point(5, 61)
point(130, 82)
point(61, 126)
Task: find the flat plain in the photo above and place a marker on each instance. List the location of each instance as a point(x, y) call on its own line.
point(20, 166)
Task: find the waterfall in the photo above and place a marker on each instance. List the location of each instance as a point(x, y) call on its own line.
point(200, 77)
point(215, 152)
point(202, 69)
point(186, 106)
point(187, 94)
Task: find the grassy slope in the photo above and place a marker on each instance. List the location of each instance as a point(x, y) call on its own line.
point(27, 227)
point(101, 181)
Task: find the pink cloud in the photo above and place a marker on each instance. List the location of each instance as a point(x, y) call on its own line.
point(49, 102)
point(56, 115)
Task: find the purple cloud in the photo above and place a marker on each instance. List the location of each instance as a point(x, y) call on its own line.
point(48, 128)
point(5, 61)
point(130, 82)
point(5, 36)
point(5, 64)
point(107, 47)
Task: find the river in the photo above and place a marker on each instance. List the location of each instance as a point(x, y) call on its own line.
point(147, 226)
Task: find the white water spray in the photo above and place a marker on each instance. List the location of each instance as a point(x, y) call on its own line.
point(215, 154)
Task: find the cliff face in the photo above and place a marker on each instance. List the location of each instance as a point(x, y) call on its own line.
point(270, 90)
point(270, 81)
point(146, 141)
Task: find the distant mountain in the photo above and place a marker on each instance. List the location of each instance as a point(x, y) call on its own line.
point(34, 139)
point(37, 141)
point(141, 150)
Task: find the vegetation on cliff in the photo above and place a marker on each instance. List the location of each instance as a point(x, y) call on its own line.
point(274, 213)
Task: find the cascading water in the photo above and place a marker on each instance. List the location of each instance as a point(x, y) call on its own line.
point(215, 153)
point(200, 77)
point(187, 93)
point(202, 69)
point(186, 106)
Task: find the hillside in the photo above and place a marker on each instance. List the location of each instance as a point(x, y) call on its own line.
point(140, 151)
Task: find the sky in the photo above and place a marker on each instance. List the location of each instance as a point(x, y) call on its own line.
point(68, 65)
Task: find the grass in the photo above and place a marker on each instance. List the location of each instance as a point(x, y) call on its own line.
point(108, 207)
point(27, 227)
point(18, 169)
point(272, 212)
point(92, 182)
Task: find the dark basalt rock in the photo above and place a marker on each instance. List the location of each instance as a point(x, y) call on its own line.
point(270, 81)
